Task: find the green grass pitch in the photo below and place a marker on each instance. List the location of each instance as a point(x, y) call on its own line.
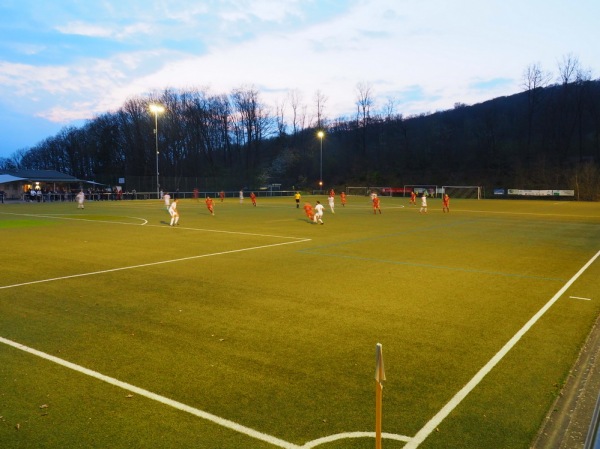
point(261, 327)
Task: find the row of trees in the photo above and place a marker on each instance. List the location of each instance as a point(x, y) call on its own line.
point(547, 136)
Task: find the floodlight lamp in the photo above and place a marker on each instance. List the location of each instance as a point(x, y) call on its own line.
point(157, 108)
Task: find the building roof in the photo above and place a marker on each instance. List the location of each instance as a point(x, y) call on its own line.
point(9, 178)
point(39, 175)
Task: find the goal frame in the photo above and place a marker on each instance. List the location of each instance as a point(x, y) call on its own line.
point(363, 191)
point(431, 189)
point(475, 189)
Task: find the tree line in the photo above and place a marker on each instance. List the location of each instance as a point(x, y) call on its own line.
point(545, 137)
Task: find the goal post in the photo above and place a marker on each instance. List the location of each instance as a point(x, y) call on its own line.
point(357, 191)
point(471, 192)
point(430, 189)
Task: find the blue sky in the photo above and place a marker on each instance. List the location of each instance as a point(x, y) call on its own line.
point(66, 61)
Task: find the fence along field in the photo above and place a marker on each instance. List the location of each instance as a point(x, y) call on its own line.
point(261, 319)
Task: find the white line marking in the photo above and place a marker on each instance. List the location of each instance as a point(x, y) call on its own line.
point(155, 397)
point(578, 297)
point(57, 217)
point(156, 226)
point(458, 397)
point(347, 435)
point(150, 264)
point(194, 411)
point(501, 212)
point(218, 231)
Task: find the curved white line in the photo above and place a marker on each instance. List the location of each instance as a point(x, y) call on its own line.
point(75, 218)
point(143, 220)
point(347, 435)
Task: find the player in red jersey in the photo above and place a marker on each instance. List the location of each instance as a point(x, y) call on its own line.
point(413, 198)
point(343, 197)
point(308, 210)
point(376, 204)
point(446, 203)
point(210, 205)
point(253, 198)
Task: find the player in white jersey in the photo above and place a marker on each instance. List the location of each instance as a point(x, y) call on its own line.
point(318, 217)
point(174, 213)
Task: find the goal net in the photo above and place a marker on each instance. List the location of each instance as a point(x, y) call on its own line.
point(358, 191)
point(431, 190)
point(472, 192)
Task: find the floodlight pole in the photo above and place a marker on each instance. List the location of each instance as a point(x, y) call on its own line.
point(155, 109)
point(321, 134)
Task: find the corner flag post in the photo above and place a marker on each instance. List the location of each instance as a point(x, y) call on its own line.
point(379, 377)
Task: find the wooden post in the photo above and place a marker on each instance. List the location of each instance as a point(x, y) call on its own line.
point(379, 377)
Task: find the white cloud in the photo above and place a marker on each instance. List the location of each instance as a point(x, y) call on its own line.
point(264, 10)
point(85, 29)
point(427, 55)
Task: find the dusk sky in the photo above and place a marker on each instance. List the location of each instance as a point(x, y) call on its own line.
point(65, 61)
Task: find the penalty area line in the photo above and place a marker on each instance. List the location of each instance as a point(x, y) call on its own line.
point(155, 397)
point(150, 264)
point(239, 428)
point(462, 394)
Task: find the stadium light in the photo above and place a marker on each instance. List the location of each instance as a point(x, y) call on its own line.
point(156, 109)
point(320, 135)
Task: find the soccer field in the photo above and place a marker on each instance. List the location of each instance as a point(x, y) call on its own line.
point(254, 328)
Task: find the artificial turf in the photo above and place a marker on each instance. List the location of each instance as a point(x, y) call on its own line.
point(259, 317)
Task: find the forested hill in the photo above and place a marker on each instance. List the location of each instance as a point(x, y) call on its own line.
point(543, 138)
point(540, 138)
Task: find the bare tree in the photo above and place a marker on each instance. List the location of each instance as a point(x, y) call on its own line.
point(364, 101)
point(280, 107)
point(254, 120)
point(389, 109)
point(298, 111)
point(16, 158)
point(534, 80)
point(320, 100)
point(575, 81)
point(568, 68)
